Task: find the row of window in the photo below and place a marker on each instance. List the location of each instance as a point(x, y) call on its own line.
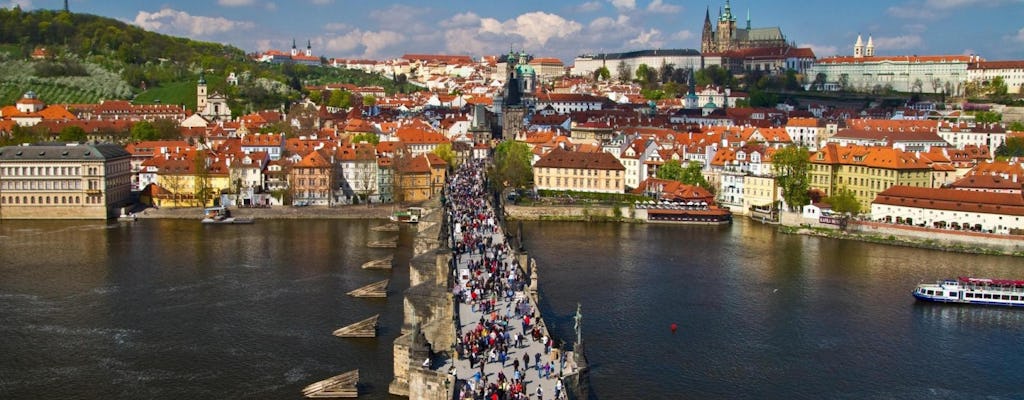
point(579, 182)
point(581, 172)
point(43, 185)
point(54, 200)
point(989, 296)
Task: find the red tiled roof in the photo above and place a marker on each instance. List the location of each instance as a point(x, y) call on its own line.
point(953, 200)
point(560, 158)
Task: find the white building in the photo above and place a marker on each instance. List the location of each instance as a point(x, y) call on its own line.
point(565, 103)
point(961, 135)
point(585, 65)
point(950, 209)
point(1012, 73)
point(865, 71)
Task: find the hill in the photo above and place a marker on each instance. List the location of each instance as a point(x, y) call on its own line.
point(90, 58)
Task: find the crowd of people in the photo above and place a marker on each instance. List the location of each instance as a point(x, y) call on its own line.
point(491, 281)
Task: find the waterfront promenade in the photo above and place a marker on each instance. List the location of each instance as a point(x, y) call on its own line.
point(502, 349)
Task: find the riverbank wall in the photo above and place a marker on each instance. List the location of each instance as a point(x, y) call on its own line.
point(908, 236)
point(282, 212)
point(590, 213)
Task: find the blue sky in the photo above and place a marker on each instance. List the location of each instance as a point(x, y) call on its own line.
point(381, 29)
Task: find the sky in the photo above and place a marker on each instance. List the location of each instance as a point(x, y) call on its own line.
point(386, 29)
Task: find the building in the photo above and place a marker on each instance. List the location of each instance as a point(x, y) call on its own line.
point(1000, 213)
point(64, 182)
point(358, 174)
point(866, 171)
point(517, 97)
point(311, 180)
point(212, 107)
point(1012, 72)
point(292, 57)
point(866, 72)
point(567, 170)
point(585, 65)
point(548, 68)
point(726, 36)
point(418, 178)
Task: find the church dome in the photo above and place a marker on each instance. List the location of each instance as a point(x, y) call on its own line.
point(525, 70)
point(711, 104)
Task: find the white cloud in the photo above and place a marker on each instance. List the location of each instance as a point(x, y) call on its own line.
point(1020, 36)
point(682, 35)
point(235, 3)
point(590, 6)
point(535, 28)
point(466, 19)
point(372, 43)
point(660, 7)
point(822, 50)
point(904, 42)
point(623, 5)
point(647, 39)
point(336, 26)
point(176, 22)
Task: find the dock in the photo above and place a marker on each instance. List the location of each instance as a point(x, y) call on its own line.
point(383, 263)
point(376, 289)
point(366, 328)
point(344, 385)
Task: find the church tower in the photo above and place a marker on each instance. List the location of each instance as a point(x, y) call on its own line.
point(201, 96)
point(295, 50)
point(707, 37)
point(870, 50)
point(726, 29)
point(858, 48)
point(309, 48)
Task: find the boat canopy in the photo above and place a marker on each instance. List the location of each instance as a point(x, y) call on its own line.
point(991, 282)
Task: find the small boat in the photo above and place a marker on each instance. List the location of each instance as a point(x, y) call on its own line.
point(410, 215)
point(992, 292)
point(221, 215)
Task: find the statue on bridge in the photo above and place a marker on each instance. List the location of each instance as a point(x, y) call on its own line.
point(579, 322)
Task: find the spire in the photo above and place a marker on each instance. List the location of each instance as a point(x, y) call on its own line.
point(293, 43)
point(707, 15)
point(858, 48)
point(728, 12)
point(870, 50)
point(748, 18)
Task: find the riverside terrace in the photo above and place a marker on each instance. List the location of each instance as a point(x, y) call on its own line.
point(503, 347)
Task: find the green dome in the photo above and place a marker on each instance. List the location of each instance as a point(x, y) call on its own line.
point(710, 105)
point(525, 70)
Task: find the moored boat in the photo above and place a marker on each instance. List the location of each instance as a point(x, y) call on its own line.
point(411, 215)
point(984, 291)
point(221, 215)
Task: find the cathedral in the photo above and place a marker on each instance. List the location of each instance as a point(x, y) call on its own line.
point(728, 37)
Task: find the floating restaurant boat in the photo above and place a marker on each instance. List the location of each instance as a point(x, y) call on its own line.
point(410, 215)
point(221, 215)
point(992, 292)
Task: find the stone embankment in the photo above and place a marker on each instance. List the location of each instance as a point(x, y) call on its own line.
point(572, 213)
point(281, 212)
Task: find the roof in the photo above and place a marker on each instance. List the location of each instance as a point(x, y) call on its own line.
point(561, 158)
point(53, 152)
point(644, 53)
point(953, 200)
point(868, 156)
point(896, 59)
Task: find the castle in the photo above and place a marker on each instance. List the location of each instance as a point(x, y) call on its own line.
point(728, 37)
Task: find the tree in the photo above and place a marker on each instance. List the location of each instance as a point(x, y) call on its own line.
point(666, 71)
point(998, 86)
point(844, 201)
point(792, 83)
point(1017, 126)
point(936, 84)
point(623, 71)
point(791, 165)
point(166, 129)
point(1014, 147)
point(444, 150)
point(988, 117)
point(819, 80)
point(512, 167)
point(917, 85)
point(367, 137)
point(671, 170)
point(693, 175)
point(72, 134)
point(143, 131)
point(602, 74)
point(201, 185)
point(643, 72)
point(369, 100)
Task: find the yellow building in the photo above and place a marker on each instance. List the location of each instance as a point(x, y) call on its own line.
point(64, 182)
point(866, 170)
point(577, 171)
point(419, 178)
point(179, 183)
point(311, 180)
point(759, 191)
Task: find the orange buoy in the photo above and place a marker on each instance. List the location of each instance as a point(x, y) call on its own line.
point(673, 327)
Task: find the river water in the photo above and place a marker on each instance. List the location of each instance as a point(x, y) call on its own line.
point(173, 309)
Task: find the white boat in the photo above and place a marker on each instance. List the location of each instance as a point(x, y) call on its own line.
point(992, 292)
point(410, 215)
point(221, 215)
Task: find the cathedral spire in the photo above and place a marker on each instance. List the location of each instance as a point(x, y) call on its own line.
point(748, 18)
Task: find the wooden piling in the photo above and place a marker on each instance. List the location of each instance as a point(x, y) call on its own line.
point(366, 328)
point(344, 385)
point(376, 289)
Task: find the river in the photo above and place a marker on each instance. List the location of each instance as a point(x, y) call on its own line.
point(168, 309)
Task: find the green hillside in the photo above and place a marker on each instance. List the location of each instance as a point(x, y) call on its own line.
point(93, 58)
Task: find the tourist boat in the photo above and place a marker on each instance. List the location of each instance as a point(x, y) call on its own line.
point(993, 292)
point(221, 215)
point(410, 215)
